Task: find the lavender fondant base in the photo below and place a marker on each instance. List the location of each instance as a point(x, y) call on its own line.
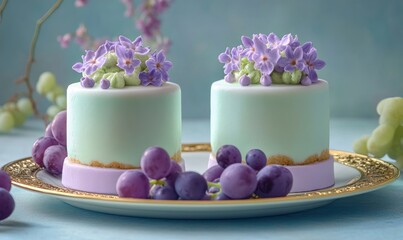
point(92, 179)
point(309, 177)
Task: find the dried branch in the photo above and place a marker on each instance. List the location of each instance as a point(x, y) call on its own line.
point(2, 7)
point(31, 57)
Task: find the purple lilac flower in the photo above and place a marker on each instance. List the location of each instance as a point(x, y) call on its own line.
point(306, 47)
point(87, 82)
point(293, 42)
point(91, 61)
point(110, 45)
point(265, 80)
point(265, 59)
point(230, 59)
point(293, 60)
point(275, 42)
point(64, 40)
point(312, 64)
point(244, 80)
point(105, 83)
point(136, 45)
point(158, 63)
point(250, 46)
point(126, 59)
point(153, 77)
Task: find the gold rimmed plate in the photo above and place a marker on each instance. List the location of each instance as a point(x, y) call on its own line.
point(354, 174)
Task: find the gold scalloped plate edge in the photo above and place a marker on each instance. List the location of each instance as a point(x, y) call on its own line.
point(375, 174)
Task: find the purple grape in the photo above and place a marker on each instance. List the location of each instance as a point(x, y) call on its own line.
point(5, 180)
point(48, 131)
point(7, 204)
point(166, 193)
point(238, 181)
point(190, 186)
point(256, 159)
point(213, 189)
point(174, 171)
point(133, 184)
point(227, 155)
point(222, 196)
point(153, 190)
point(155, 163)
point(213, 173)
point(53, 159)
point(39, 147)
point(59, 127)
point(273, 181)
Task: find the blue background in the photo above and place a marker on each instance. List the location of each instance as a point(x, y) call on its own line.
point(361, 41)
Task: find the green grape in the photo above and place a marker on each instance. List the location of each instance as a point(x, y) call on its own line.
point(360, 146)
point(58, 90)
point(10, 106)
point(392, 112)
point(24, 105)
point(19, 117)
point(382, 103)
point(51, 96)
point(52, 111)
point(399, 161)
point(396, 148)
point(61, 101)
point(380, 140)
point(46, 82)
point(6, 121)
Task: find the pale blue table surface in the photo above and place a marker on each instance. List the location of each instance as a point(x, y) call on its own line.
point(375, 215)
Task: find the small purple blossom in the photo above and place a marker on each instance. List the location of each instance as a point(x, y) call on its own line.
point(265, 58)
point(230, 59)
point(158, 63)
point(275, 42)
point(87, 82)
point(126, 59)
point(91, 61)
point(230, 78)
point(293, 60)
point(313, 64)
point(64, 40)
point(265, 80)
point(244, 80)
point(151, 78)
point(136, 45)
point(105, 83)
point(306, 81)
point(111, 45)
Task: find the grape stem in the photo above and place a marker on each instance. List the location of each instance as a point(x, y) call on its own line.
point(157, 182)
point(2, 7)
point(31, 57)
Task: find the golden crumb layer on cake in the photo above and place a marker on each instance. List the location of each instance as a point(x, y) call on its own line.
point(285, 160)
point(176, 157)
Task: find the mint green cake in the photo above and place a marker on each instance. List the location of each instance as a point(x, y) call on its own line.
point(112, 128)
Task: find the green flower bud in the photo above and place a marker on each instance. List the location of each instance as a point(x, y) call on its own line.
point(117, 80)
point(98, 74)
point(112, 69)
point(237, 75)
point(133, 79)
point(296, 76)
point(255, 77)
point(277, 77)
point(143, 59)
point(286, 77)
point(111, 60)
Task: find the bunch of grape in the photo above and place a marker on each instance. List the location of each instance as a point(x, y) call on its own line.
point(163, 179)
point(387, 138)
point(6, 200)
point(14, 114)
point(48, 87)
point(50, 151)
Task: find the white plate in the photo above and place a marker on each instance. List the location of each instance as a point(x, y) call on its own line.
point(355, 174)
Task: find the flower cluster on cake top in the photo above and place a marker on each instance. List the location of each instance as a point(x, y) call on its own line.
point(123, 63)
point(268, 59)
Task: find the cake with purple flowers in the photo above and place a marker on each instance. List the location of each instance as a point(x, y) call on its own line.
point(271, 99)
point(122, 105)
